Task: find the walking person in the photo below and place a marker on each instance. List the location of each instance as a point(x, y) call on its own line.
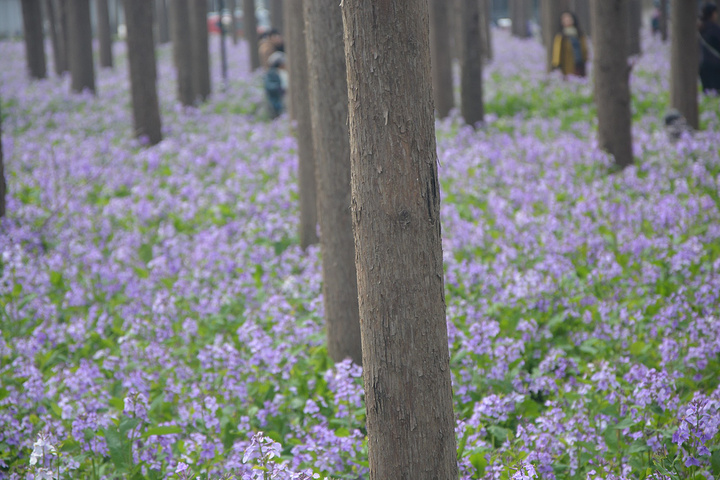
point(570, 47)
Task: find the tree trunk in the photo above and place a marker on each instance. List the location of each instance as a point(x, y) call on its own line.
point(223, 48)
point(471, 101)
point(143, 76)
point(233, 21)
point(664, 20)
point(104, 34)
point(80, 48)
point(582, 10)
point(441, 57)
point(329, 111)
point(56, 36)
point(485, 22)
point(684, 60)
point(34, 40)
point(200, 49)
point(520, 16)
point(276, 14)
point(182, 50)
point(250, 28)
point(3, 185)
point(634, 25)
point(396, 222)
point(612, 85)
point(162, 22)
point(297, 60)
point(550, 15)
point(64, 25)
point(456, 7)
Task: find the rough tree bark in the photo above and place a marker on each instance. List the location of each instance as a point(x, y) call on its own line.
point(396, 222)
point(182, 50)
point(34, 39)
point(471, 100)
point(250, 28)
point(143, 74)
point(663, 20)
point(612, 79)
point(550, 22)
point(582, 10)
point(3, 185)
point(485, 19)
point(441, 57)
point(104, 34)
point(56, 37)
point(684, 60)
point(634, 25)
point(329, 111)
point(276, 14)
point(80, 49)
point(520, 11)
point(298, 65)
point(233, 21)
point(200, 49)
point(162, 22)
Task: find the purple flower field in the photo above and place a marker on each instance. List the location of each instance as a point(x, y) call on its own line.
point(159, 320)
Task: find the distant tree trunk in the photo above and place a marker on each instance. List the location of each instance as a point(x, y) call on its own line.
point(684, 60)
point(276, 14)
point(297, 59)
point(250, 27)
point(441, 57)
point(550, 19)
point(233, 21)
point(34, 40)
point(64, 25)
point(471, 101)
point(612, 79)
point(329, 111)
point(485, 19)
point(3, 185)
point(223, 48)
point(143, 76)
point(520, 11)
point(200, 49)
point(663, 20)
point(634, 25)
point(162, 22)
point(396, 222)
point(80, 49)
point(104, 34)
point(582, 10)
point(182, 50)
point(456, 8)
point(56, 35)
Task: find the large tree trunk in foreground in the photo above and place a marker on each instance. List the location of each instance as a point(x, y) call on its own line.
point(56, 35)
point(329, 111)
point(182, 50)
point(3, 185)
point(297, 57)
point(520, 12)
point(550, 12)
point(276, 14)
point(612, 75)
point(634, 25)
point(34, 40)
point(162, 21)
point(200, 49)
point(80, 48)
point(684, 61)
point(104, 33)
point(471, 100)
point(143, 76)
point(250, 28)
point(441, 57)
point(396, 222)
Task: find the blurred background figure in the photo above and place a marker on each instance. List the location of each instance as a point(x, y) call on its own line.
point(270, 42)
point(276, 84)
point(570, 46)
point(710, 47)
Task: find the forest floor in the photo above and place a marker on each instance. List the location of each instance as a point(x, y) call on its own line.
point(159, 319)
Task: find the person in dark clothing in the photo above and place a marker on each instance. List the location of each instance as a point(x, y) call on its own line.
point(570, 47)
point(275, 84)
point(710, 48)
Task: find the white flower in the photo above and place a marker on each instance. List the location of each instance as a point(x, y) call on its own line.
point(45, 474)
point(41, 446)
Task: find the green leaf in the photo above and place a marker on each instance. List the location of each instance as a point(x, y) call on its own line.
point(145, 253)
point(626, 422)
point(127, 424)
point(715, 462)
point(478, 461)
point(118, 449)
point(166, 430)
point(499, 433)
point(611, 440)
point(56, 279)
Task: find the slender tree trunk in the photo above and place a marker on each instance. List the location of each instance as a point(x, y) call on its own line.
point(664, 20)
point(250, 27)
point(456, 8)
point(276, 14)
point(34, 40)
point(684, 61)
point(290, 36)
point(3, 185)
point(550, 15)
point(104, 34)
point(634, 25)
point(396, 222)
point(64, 25)
point(231, 7)
point(56, 36)
point(162, 22)
point(223, 48)
point(143, 76)
point(329, 111)
point(297, 56)
point(182, 50)
point(612, 79)
point(82, 69)
point(485, 19)
point(471, 101)
point(200, 49)
point(582, 10)
point(441, 57)
point(520, 16)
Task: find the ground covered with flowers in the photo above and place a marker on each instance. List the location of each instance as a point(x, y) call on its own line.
point(159, 320)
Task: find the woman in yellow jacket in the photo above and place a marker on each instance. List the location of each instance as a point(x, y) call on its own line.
point(570, 47)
